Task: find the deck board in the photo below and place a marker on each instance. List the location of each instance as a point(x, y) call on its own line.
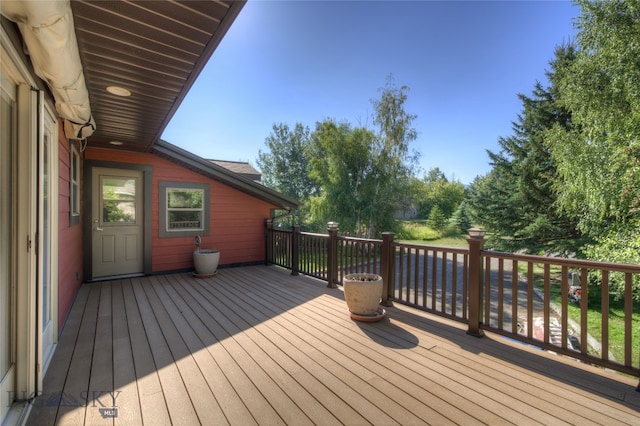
point(75, 394)
point(255, 345)
point(101, 387)
point(224, 350)
point(150, 398)
point(48, 402)
point(176, 396)
point(123, 361)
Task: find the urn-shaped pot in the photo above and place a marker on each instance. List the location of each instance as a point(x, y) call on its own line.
point(363, 293)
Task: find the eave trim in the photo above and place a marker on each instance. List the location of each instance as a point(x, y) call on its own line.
point(180, 156)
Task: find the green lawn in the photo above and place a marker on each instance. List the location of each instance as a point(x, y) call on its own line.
point(418, 232)
point(442, 242)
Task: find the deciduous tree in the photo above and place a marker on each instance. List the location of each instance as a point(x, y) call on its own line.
point(285, 166)
point(599, 159)
point(363, 172)
point(438, 191)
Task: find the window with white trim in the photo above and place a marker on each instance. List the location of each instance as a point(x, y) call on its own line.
point(184, 209)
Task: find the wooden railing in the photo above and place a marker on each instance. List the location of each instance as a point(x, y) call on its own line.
point(434, 279)
point(279, 247)
point(517, 302)
point(505, 293)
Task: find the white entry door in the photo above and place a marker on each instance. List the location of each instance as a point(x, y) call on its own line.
point(117, 222)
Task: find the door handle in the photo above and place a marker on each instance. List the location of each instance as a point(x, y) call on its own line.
point(97, 226)
point(99, 229)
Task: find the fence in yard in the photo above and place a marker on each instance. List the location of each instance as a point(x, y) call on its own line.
point(538, 300)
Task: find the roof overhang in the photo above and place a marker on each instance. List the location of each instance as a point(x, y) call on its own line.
point(154, 49)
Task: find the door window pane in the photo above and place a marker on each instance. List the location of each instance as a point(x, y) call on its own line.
point(118, 200)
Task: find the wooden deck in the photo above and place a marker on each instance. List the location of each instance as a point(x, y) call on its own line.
point(255, 345)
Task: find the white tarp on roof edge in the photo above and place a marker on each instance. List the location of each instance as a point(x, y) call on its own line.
point(49, 34)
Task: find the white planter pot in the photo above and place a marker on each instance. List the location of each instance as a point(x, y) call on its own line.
point(206, 261)
point(363, 293)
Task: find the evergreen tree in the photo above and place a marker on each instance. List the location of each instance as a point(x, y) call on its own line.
point(460, 221)
point(523, 212)
point(437, 219)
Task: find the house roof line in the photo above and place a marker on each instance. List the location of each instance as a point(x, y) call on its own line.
point(211, 170)
point(241, 167)
point(232, 14)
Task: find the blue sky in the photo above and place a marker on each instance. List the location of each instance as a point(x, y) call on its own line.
point(304, 61)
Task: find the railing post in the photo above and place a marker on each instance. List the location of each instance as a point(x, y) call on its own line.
point(476, 242)
point(295, 244)
point(332, 254)
point(268, 239)
point(387, 268)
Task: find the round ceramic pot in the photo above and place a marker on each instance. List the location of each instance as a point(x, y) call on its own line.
point(362, 292)
point(206, 261)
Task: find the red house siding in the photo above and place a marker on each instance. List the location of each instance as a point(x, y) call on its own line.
point(236, 219)
point(69, 237)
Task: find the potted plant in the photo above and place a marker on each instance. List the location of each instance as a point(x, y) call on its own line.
point(363, 293)
point(205, 261)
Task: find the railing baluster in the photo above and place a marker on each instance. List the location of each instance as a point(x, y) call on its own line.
point(443, 284)
point(530, 285)
point(564, 297)
point(605, 315)
point(487, 290)
point(413, 283)
point(547, 308)
point(425, 274)
point(295, 240)
point(500, 293)
point(628, 316)
point(515, 279)
point(584, 306)
point(434, 279)
point(454, 284)
point(465, 287)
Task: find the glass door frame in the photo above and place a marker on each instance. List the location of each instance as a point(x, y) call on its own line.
point(48, 239)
